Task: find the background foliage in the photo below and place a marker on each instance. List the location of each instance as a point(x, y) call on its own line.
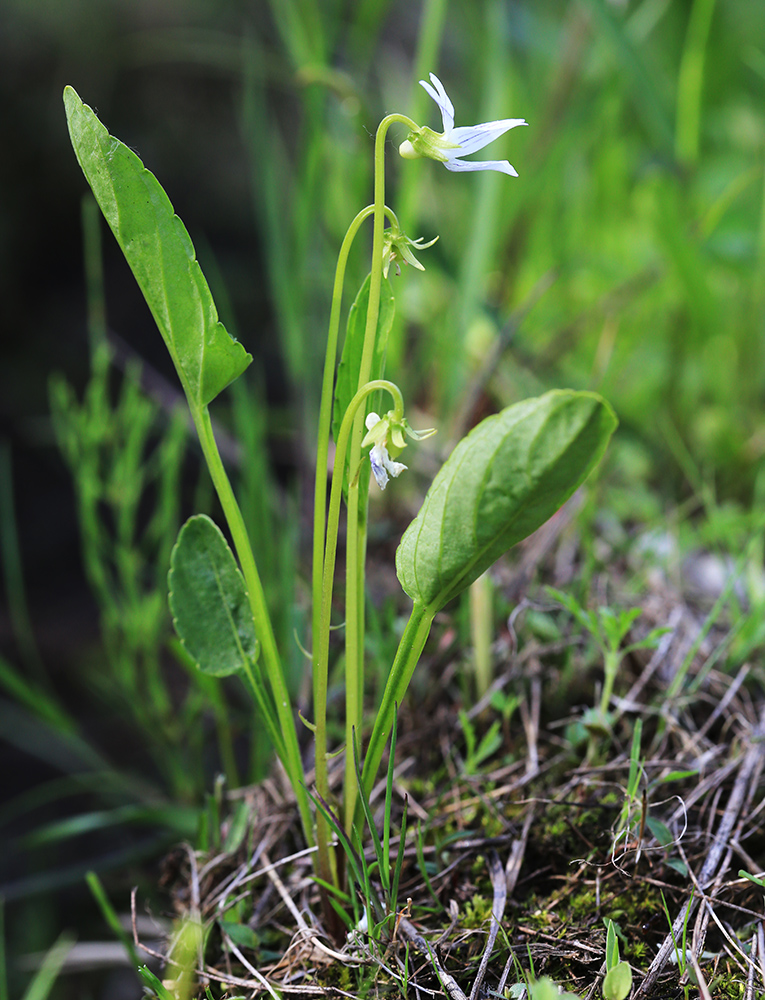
point(629, 257)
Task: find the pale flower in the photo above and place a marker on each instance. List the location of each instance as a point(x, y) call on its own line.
point(396, 247)
point(383, 465)
point(387, 434)
point(449, 146)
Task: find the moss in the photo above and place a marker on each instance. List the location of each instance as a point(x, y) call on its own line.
point(728, 986)
point(492, 825)
point(637, 952)
point(583, 904)
point(477, 911)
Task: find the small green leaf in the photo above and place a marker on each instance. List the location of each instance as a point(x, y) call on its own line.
point(659, 830)
point(651, 641)
point(208, 600)
point(612, 947)
point(677, 865)
point(350, 363)
point(677, 776)
point(238, 826)
point(757, 879)
point(160, 254)
point(617, 625)
point(501, 482)
point(491, 741)
point(546, 989)
point(618, 982)
point(242, 935)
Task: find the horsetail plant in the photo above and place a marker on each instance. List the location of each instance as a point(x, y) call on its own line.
point(501, 482)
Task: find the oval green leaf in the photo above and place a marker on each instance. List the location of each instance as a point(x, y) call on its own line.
point(618, 982)
point(208, 600)
point(501, 482)
point(160, 254)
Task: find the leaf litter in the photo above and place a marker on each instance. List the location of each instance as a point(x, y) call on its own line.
point(511, 871)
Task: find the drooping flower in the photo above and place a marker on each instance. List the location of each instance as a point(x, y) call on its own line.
point(397, 246)
point(454, 143)
point(386, 434)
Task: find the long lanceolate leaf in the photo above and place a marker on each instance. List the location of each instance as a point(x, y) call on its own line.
point(160, 254)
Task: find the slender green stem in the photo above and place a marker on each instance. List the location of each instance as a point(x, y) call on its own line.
point(212, 690)
point(481, 625)
point(611, 668)
point(321, 650)
point(356, 552)
point(292, 761)
point(407, 655)
point(325, 415)
point(356, 542)
point(354, 634)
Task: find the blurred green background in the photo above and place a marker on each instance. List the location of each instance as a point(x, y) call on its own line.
point(628, 257)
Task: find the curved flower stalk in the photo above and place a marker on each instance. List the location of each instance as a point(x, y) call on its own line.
point(454, 143)
point(445, 148)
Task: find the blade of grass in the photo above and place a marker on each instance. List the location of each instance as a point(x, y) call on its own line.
point(399, 860)
point(173, 817)
point(382, 860)
point(42, 984)
point(38, 701)
point(155, 984)
point(646, 96)
point(299, 23)
point(52, 879)
point(690, 82)
point(110, 916)
point(65, 751)
point(389, 802)
point(418, 843)
point(734, 577)
point(13, 574)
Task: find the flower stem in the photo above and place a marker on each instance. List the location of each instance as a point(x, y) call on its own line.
point(321, 648)
point(610, 670)
point(325, 416)
point(357, 520)
point(408, 653)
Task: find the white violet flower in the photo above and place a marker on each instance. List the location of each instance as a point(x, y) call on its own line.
point(449, 146)
point(383, 465)
point(386, 434)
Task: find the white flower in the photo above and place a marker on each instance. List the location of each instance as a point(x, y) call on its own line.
point(454, 143)
point(383, 465)
point(387, 434)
